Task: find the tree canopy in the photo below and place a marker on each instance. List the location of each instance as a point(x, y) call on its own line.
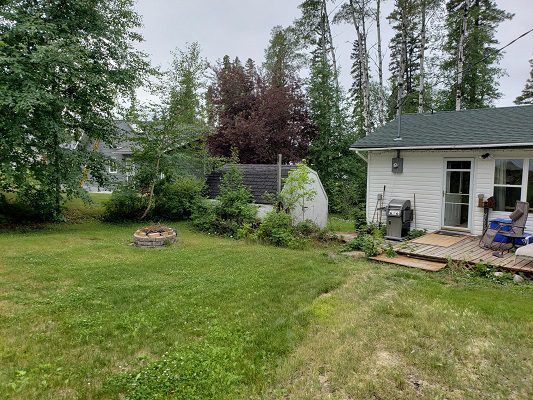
point(64, 67)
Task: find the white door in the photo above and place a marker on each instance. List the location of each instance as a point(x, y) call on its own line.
point(457, 193)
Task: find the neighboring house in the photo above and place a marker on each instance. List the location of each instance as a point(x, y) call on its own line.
point(449, 159)
point(263, 178)
point(120, 167)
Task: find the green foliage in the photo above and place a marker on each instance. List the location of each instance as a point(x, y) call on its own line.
point(371, 243)
point(283, 56)
point(176, 200)
point(202, 370)
point(307, 228)
point(480, 84)
point(297, 190)
point(125, 204)
point(416, 233)
point(359, 218)
point(204, 216)
point(169, 133)
point(276, 228)
point(64, 70)
point(233, 208)
point(390, 252)
point(526, 97)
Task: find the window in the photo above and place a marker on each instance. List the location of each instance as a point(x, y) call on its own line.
point(507, 183)
point(112, 167)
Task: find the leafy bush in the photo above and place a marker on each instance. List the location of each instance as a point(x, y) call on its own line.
point(125, 205)
point(359, 218)
point(27, 206)
point(416, 233)
point(176, 200)
point(276, 228)
point(233, 209)
point(307, 228)
point(372, 244)
point(204, 216)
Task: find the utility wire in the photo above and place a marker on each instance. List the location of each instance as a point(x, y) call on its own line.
point(469, 67)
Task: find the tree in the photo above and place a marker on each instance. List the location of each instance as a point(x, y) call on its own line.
point(64, 66)
point(259, 119)
point(472, 58)
point(169, 132)
point(283, 57)
point(527, 94)
point(357, 12)
point(314, 30)
point(405, 49)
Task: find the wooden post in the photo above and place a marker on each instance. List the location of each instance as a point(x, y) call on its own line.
point(279, 173)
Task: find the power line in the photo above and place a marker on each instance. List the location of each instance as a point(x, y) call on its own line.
point(469, 67)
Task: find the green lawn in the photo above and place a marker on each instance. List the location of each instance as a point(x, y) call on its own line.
point(80, 309)
point(85, 315)
point(339, 223)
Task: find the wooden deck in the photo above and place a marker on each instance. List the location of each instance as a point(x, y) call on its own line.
point(466, 250)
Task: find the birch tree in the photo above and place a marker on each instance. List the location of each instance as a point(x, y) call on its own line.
point(471, 54)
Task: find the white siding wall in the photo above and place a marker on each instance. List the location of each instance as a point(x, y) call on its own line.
point(423, 175)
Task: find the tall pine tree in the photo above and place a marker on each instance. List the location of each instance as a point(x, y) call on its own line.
point(472, 83)
point(527, 94)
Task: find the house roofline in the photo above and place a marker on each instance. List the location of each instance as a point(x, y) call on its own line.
point(444, 147)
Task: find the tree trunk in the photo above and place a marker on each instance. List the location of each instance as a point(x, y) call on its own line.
point(403, 57)
point(363, 61)
point(152, 187)
point(461, 58)
point(422, 49)
point(330, 40)
point(381, 108)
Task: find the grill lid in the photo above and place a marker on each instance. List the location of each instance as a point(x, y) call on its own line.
point(400, 204)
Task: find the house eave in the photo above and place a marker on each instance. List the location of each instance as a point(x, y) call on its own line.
point(444, 147)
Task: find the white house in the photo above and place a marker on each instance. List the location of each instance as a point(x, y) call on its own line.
point(263, 178)
point(444, 162)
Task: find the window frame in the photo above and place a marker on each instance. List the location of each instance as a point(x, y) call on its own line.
point(112, 168)
point(525, 179)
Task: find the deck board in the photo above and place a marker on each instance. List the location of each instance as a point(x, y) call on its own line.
point(467, 250)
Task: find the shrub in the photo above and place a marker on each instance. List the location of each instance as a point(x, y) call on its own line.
point(307, 228)
point(176, 200)
point(233, 209)
point(204, 216)
point(372, 244)
point(416, 233)
point(125, 205)
point(359, 218)
point(276, 228)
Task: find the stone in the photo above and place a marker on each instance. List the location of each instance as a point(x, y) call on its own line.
point(517, 278)
point(498, 273)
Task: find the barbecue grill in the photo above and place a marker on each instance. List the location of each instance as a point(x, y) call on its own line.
point(399, 217)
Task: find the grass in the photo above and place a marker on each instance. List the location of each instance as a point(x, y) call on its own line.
point(397, 333)
point(76, 210)
point(339, 223)
point(84, 315)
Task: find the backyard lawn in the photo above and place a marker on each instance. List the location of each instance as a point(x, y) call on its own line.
point(85, 315)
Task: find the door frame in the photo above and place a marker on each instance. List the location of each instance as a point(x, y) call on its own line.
point(470, 198)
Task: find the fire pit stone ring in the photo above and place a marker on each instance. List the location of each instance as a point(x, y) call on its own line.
point(154, 236)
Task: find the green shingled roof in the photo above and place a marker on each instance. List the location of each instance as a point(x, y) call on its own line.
point(487, 127)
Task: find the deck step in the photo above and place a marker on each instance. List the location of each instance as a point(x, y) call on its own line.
point(413, 262)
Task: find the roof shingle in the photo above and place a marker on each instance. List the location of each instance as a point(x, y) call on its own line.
point(259, 178)
point(487, 127)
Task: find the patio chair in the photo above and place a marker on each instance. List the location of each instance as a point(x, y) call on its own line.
point(515, 224)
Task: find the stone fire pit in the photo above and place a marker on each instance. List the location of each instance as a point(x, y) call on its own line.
point(154, 236)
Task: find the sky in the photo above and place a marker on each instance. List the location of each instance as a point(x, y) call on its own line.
point(241, 28)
